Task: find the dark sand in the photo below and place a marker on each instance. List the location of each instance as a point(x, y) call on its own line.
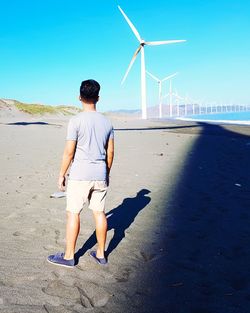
point(179, 221)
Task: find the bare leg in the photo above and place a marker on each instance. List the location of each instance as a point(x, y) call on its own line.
point(101, 232)
point(72, 231)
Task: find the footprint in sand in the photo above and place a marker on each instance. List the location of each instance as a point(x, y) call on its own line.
point(44, 232)
point(27, 232)
point(17, 233)
point(12, 215)
point(123, 276)
point(58, 309)
point(57, 236)
point(57, 288)
point(49, 248)
point(92, 294)
point(147, 256)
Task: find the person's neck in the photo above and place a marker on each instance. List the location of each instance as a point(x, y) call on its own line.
point(89, 107)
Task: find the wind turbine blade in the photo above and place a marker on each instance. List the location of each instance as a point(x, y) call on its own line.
point(131, 63)
point(154, 77)
point(137, 35)
point(170, 76)
point(166, 42)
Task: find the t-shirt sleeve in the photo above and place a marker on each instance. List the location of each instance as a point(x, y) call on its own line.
point(111, 135)
point(72, 132)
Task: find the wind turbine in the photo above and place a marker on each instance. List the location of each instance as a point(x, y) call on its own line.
point(143, 70)
point(178, 99)
point(160, 81)
point(170, 98)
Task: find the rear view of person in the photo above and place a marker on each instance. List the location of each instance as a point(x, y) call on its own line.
point(90, 149)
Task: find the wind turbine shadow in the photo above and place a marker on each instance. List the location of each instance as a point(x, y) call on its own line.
point(175, 127)
point(119, 219)
point(31, 123)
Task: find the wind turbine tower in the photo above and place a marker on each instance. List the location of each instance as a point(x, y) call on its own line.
point(142, 44)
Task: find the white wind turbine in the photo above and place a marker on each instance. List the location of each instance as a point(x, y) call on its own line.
point(160, 81)
point(178, 98)
point(170, 94)
point(143, 70)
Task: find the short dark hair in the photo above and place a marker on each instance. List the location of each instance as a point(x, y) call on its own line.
point(89, 90)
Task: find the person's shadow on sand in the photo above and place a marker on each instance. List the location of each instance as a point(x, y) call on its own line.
point(119, 219)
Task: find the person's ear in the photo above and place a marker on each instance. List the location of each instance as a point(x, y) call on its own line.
point(80, 98)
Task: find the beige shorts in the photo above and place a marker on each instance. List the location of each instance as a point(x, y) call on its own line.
point(80, 192)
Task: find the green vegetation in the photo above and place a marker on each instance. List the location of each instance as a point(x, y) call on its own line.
point(35, 109)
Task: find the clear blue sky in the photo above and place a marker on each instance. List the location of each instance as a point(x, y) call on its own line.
point(48, 47)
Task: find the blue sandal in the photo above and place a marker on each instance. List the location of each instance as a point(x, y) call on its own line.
point(58, 259)
point(101, 261)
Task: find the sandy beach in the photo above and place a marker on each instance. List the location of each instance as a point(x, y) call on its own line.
point(178, 216)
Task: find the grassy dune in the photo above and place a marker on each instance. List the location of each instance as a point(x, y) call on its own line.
point(35, 109)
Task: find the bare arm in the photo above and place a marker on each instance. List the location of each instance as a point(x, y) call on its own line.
point(110, 154)
point(68, 155)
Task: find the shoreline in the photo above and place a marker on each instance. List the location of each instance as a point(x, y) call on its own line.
point(231, 122)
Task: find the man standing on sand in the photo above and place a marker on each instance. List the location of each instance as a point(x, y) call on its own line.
point(90, 148)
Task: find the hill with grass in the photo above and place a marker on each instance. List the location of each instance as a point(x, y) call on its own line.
point(12, 108)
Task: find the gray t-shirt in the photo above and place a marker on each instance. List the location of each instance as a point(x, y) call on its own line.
point(91, 130)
